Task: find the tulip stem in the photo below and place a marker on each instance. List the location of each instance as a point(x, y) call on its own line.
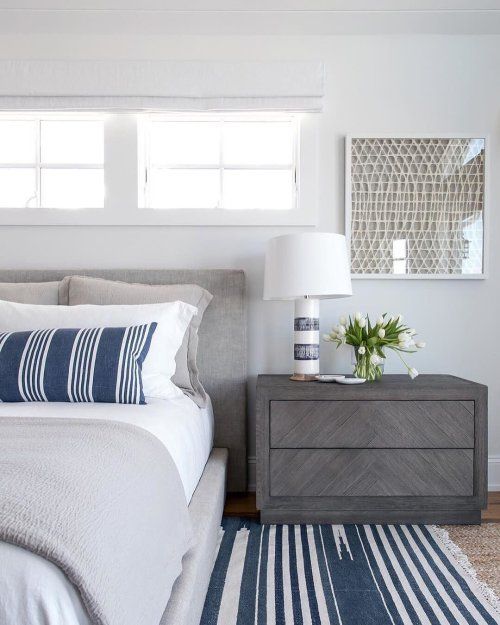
point(402, 359)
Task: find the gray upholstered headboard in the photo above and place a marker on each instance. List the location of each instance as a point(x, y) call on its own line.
point(222, 348)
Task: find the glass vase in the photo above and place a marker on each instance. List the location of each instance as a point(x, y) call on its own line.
point(364, 368)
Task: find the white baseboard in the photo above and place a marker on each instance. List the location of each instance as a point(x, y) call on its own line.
point(493, 473)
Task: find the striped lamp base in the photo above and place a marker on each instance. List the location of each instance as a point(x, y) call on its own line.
point(306, 339)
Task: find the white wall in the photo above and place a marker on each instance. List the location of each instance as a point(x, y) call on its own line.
point(375, 84)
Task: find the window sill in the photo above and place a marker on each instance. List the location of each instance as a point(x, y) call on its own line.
point(156, 217)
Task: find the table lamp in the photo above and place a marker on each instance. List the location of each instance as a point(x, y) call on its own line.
point(307, 267)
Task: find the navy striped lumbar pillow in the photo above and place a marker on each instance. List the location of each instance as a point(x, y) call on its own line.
point(75, 365)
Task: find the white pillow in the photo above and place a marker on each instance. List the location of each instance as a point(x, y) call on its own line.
point(173, 319)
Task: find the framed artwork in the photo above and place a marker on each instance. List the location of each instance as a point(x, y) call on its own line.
point(415, 206)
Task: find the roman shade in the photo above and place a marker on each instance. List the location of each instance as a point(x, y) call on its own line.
point(143, 85)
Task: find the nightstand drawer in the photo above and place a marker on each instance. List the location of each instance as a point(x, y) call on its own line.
point(372, 424)
point(372, 472)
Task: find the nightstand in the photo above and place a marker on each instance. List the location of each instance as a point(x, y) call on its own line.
point(392, 451)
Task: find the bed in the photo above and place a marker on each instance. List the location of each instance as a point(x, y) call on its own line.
point(208, 446)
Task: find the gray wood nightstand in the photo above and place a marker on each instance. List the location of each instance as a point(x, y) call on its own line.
point(392, 451)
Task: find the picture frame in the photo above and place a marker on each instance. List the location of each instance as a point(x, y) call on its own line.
point(383, 187)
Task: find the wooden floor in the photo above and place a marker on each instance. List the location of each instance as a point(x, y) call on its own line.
point(243, 504)
point(492, 513)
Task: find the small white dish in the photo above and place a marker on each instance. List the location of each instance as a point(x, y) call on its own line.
point(351, 380)
point(329, 378)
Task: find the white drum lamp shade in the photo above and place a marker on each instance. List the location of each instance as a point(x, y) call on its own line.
point(309, 264)
point(307, 267)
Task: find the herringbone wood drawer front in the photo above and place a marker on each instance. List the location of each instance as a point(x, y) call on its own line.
point(395, 451)
point(371, 472)
point(372, 424)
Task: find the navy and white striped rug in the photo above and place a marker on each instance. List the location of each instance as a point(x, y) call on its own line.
point(341, 575)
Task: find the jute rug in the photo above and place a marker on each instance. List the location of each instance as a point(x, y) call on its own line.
point(481, 545)
point(344, 575)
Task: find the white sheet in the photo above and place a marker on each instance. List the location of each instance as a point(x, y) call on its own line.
point(185, 429)
point(33, 591)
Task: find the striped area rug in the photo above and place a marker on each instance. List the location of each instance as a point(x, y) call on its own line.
point(341, 575)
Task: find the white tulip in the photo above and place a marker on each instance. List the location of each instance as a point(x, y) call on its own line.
point(403, 345)
point(343, 321)
point(362, 322)
point(375, 359)
point(412, 331)
point(327, 337)
point(358, 316)
point(403, 337)
point(412, 372)
point(341, 330)
point(420, 344)
point(380, 321)
point(362, 350)
point(381, 333)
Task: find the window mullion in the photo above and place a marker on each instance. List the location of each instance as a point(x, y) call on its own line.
point(221, 164)
point(181, 166)
point(71, 166)
point(147, 164)
point(296, 158)
point(31, 165)
point(38, 173)
point(144, 166)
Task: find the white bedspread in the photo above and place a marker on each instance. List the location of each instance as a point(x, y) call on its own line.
point(33, 591)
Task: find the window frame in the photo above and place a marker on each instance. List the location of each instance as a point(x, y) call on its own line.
point(146, 165)
point(38, 165)
point(122, 170)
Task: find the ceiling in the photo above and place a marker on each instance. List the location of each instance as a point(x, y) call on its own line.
point(241, 17)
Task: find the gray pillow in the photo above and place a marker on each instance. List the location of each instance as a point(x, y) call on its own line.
point(30, 292)
point(76, 290)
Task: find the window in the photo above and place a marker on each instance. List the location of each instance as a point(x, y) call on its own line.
point(158, 169)
point(229, 162)
point(51, 162)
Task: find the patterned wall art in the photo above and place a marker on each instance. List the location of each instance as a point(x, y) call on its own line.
point(415, 206)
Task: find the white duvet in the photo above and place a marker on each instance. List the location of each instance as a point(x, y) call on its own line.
point(33, 591)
